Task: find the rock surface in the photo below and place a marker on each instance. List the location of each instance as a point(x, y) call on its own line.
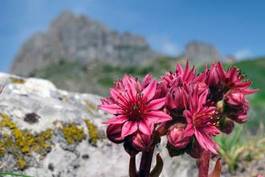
point(33, 106)
point(72, 37)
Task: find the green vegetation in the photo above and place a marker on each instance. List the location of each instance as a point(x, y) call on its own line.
point(97, 77)
point(241, 146)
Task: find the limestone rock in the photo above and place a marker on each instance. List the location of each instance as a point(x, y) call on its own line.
point(200, 52)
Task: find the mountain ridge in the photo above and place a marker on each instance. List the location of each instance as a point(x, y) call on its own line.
point(74, 37)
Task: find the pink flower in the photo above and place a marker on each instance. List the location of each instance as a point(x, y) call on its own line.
point(200, 121)
point(186, 75)
point(221, 81)
point(216, 75)
point(133, 105)
point(141, 141)
point(176, 97)
point(177, 136)
point(236, 106)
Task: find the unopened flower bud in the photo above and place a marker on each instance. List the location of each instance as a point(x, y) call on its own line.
point(236, 106)
point(141, 141)
point(114, 133)
point(227, 125)
point(176, 97)
point(177, 136)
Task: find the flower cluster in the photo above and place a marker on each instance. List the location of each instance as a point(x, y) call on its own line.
point(186, 107)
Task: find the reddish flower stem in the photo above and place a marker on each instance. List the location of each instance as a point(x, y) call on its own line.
point(203, 164)
point(146, 162)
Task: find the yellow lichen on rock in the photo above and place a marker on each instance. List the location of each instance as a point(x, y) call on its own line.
point(22, 142)
point(72, 133)
point(16, 80)
point(21, 163)
point(92, 131)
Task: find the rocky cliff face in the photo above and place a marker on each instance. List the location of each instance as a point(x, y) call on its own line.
point(72, 37)
point(200, 52)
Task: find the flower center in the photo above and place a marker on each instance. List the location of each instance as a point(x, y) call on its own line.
point(136, 108)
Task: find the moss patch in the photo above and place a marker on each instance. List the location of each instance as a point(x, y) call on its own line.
point(16, 80)
point(21, 163)
point(72, 133)
point(22, 142)
point(92, 131)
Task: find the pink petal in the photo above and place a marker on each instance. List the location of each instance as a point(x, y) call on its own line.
point(147, 79)
point(212, 130)
point(188, 116)
point(145, 128)
point(157, 116)
point(156, 104)
point(111, 108)
point(117, 120)
point(189, 131)
point(128, 128)
point(130, 86)
point(117, 97)
point(206, 142)
point(249, 91)
point(150, 90)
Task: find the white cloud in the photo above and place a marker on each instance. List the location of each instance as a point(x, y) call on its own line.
point(170, 48)
point(164, 45)
point(243, 53)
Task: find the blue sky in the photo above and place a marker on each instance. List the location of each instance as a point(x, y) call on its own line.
point(233, 26)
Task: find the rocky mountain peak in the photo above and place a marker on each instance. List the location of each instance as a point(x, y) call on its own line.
point(74, 37)
point(201, 52)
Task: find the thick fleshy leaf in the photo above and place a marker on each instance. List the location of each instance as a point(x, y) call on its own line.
point(157, 116)
point(111, 108)
point(156, 104)
point(117, 120)
point(158, 167)
point(128, 128)
point(217, 169)
point(150, 90)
